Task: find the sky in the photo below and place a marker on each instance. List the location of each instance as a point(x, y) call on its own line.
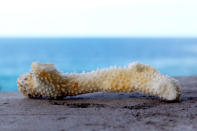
point(98, 18)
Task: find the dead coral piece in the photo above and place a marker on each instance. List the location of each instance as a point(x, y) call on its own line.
point(45, 81)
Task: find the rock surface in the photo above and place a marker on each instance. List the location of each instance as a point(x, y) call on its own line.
point(101, 111)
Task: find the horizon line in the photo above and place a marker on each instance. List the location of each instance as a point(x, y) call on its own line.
point(93, 37)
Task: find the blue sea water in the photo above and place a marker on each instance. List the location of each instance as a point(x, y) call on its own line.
point(171, 56)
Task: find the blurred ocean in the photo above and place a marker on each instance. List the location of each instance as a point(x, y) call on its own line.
point(174, 57)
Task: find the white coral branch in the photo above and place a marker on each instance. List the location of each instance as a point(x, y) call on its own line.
point(45, 81)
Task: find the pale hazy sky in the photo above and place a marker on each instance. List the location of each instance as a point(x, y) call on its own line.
point(98, 18)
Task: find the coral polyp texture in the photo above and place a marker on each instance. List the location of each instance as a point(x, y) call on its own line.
point(45, 81)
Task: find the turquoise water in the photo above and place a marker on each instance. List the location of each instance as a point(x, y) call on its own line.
point(174, 57)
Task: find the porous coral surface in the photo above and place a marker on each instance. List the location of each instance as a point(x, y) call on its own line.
point(45, 81)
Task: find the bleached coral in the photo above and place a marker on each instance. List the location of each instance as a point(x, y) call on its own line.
point(45, 81)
